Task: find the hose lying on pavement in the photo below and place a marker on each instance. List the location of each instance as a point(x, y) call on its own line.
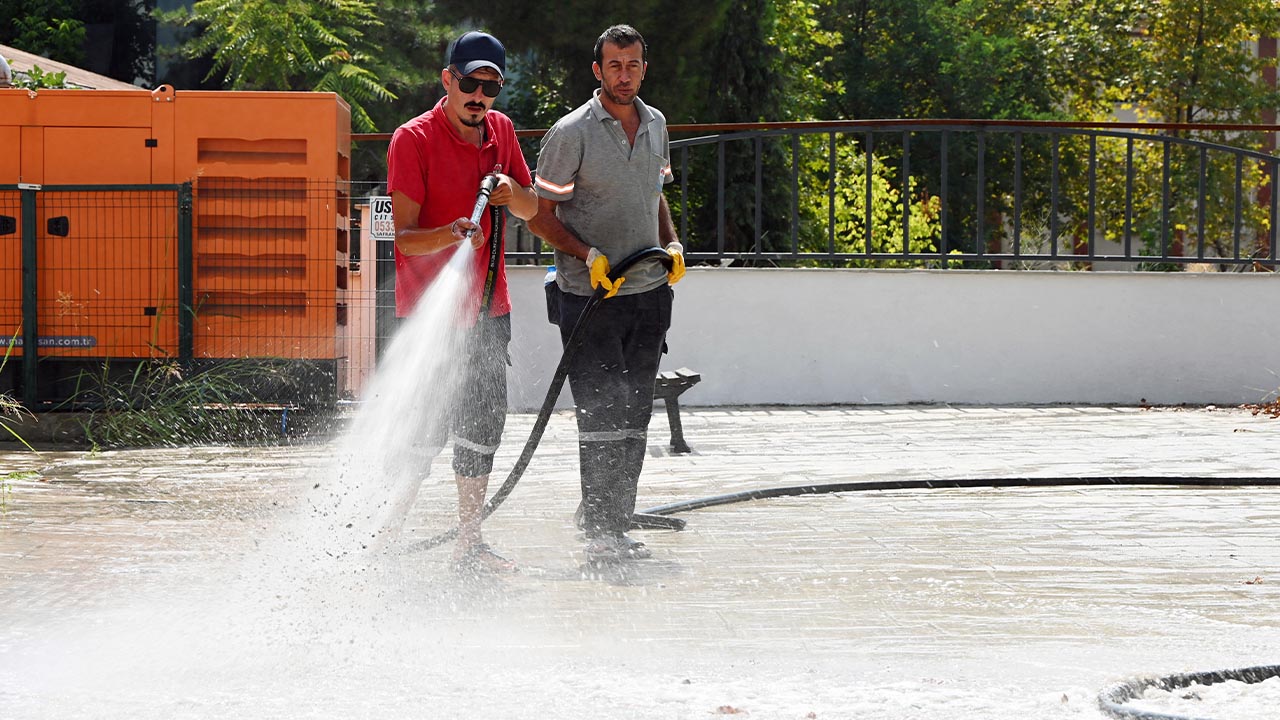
point(941, 483)
point(576, 338)
point(1113, 699)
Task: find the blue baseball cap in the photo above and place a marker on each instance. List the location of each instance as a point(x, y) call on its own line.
point(475, 50)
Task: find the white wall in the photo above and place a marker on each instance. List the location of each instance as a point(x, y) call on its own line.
point(816, 336)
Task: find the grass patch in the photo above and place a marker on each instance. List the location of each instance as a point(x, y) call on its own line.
point(166, 403)
point(10, 408)
point(6, 487)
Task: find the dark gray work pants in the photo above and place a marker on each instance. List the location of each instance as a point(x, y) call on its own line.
point(611, 376)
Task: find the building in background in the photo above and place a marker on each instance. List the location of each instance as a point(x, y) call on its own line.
point(21, 63)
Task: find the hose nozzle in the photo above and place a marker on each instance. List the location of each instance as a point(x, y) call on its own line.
point(487, 185)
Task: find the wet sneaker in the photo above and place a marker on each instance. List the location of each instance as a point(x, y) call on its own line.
point(635, 549)
point(481, 559)
point(605, 548)
point(611, 548)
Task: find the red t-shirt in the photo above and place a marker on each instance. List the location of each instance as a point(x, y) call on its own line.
point(431, 164)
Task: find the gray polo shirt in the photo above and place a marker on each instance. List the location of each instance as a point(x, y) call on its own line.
point(607, 190)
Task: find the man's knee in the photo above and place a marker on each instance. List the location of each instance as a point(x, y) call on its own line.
point(471, 459)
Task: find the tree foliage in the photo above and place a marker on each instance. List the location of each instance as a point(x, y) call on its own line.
point(1185, 61)
point(291, 45)
point(48, 28)
point(111, 37)
point(38, 79)
point(1195, 62)
point(678, 34)
point(915, 229)
point(411, 42)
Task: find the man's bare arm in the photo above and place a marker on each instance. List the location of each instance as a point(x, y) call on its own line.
point(414, 240)
point(546, 225)
point(666, 228)
point(521, 201)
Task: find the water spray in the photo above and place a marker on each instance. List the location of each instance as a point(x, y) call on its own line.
point(576, 338)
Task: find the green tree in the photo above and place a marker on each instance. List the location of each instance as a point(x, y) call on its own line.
point(123, 41)
point(1196, 63)
point(744, 88)
point(926, 59)
point(769, 62)
point(315, 45)
point(412, 44)
point(48, 28)
point(1183, 61)
point(804, 51)
point(678, 34)
point(847, 204)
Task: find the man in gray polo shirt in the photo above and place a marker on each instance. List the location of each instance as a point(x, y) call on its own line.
point(599, 182)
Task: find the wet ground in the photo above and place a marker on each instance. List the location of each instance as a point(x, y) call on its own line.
point(163, 583)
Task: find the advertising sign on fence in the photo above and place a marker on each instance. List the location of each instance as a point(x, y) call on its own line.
point(382, 227)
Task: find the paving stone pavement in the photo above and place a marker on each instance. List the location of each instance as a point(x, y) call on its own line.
point(134, 584)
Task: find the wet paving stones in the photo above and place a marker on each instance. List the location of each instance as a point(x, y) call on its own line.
point(1009, 599)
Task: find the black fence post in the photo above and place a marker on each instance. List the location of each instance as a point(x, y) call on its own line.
point(186, 274)
point(30, 330)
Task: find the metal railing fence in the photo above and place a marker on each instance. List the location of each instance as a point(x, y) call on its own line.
point(971, 194)
point(976, 194)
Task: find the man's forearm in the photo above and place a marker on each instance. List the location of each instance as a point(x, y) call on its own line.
point(524, 203)
point(425, 241)
point(666, 228)
point(547, 226)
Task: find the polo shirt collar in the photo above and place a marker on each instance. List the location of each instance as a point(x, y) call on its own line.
point(443, 118)
point(599, 113)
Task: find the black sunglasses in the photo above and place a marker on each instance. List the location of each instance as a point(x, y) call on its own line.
point(468, 85)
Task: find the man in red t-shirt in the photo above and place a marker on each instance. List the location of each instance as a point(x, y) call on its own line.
point(435, 165)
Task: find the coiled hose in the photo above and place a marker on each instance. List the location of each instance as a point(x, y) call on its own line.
point(1113, 700)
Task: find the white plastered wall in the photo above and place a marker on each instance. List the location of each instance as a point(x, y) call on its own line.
point(816, 336)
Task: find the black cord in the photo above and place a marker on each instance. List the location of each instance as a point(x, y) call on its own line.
point(935, 483)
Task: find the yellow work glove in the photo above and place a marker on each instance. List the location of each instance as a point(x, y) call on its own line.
point(676, 251)
point(599, 267)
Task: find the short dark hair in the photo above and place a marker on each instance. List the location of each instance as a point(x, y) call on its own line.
point(622, 36)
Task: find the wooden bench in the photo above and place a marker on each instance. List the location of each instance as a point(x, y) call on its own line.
point(668, 387)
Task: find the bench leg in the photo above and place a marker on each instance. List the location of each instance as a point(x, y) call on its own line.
point(677, 430)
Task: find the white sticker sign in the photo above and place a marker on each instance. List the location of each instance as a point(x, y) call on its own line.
point(381, 224)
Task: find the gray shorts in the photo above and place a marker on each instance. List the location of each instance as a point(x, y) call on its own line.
point(480, 411)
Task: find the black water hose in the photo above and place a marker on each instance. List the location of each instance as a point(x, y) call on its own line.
point(496, 226)
point(942, 483)
point(553, 393)
point(1113, 700)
